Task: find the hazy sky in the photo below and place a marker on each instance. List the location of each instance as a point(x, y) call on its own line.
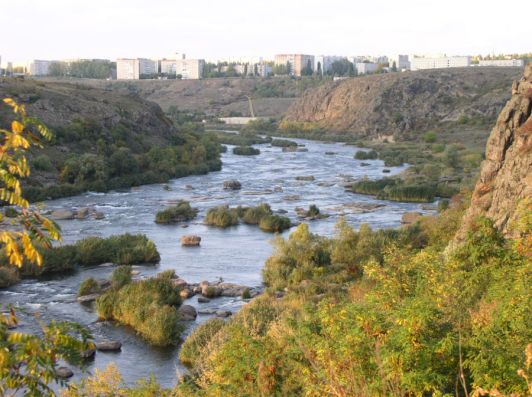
point(57, 29)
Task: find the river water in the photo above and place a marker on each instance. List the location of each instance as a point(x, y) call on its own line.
point(235, 254)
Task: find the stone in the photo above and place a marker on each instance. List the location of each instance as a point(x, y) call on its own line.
point(289, 149)
point(190, 240)
point(82, 213)
point(87, 298)
point(232, 184)
point(207, 311)
point(187, 313)
point(87, 354)
point(202, 299)
point(98, 215)
point(61, 215)
point(410, 217)
point(309, 178)
point(186, 293)
point(64, 372)
point(108, 345)
point(179, 283)
point(386, 171)
point(223, 313)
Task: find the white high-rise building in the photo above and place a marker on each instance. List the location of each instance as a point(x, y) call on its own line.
point(323, 63)
point(517, 63)
point(39, 67)
point(134, 69)
point(401, 61)
point(190, 68)
point(365, 67)
point(419, 63)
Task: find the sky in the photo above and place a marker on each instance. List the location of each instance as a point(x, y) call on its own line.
point(66, 29)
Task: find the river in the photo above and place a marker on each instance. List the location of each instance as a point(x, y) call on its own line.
point(235, 254)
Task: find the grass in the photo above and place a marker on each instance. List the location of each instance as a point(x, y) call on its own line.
point(246, 151)
point(88, 286)
point(148, 306)
point(274, 223)
point(178, 213)
point(221, 216)
point(8, 276)
point(363, 155)
point(121, 276)
point(283, 143)
point(253, 215)
point(192, 349)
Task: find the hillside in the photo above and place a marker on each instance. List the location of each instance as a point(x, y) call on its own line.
point(396, 104)
point(103, 139)
point(217, 96)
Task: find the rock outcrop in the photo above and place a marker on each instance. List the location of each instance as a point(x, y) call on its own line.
point(506, 174)
point(391, 106)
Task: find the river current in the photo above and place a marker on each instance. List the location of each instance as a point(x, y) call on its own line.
point(235, 254)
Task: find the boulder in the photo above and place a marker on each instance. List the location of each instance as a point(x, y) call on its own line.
point(410, 217)
point(232, 184)
point(232, 290)
point(190, 240)
point(202, 299)
point(82, 213)
point(223, 313)
point(386, 171)
point(61, 215)
point(64, 372)
point(98, 215)
point(305, 178)
point(186, 293)
point(87, 354)
point(207, 311)
point(179, 283)
point(187, 313)
point(108, 345)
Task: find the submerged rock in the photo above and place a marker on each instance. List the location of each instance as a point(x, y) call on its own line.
point(305, 178)
point(232, 184)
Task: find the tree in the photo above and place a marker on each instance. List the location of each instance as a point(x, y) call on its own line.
point(394, 67)
point(35, 229)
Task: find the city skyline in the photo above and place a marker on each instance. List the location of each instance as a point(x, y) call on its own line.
point(114, 31)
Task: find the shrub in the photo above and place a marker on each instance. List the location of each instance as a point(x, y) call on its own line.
point(221, 216)
point(430, 137)
point(363, 155)
point(88, 286)
point(178, 213)
point(8, 276)
point(313, 211)
point(246, 151)
point(121, 276)
point(194, 345)
point(148, 306)
point(283, 143)
point(10, 212)
point(253, 215)
point(274, 223)
point(246, 294)
point(167, 274)
point(42, 163)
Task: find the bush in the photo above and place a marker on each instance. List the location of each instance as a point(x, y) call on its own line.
point(10, 212)
point(42, 163)
point(167, 274)
point(178, 213)
point(274, 223)
point(313, 211)
point(221, 216)
point(283, 143)
point(430, 137)
point(253, 215)
point(192, 349)
point(363, 155)
point(88, 286)
point(121, 276)
point(148, 306)
point(8, 276)
point(246, 151)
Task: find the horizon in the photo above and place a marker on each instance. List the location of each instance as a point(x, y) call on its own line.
point(156, 30)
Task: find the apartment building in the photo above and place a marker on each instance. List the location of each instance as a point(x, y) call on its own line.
point(366, 67)
point(39, 67)
point(190, 68)
point(518, 63)
point(298, 62)
point(401, 61)
point(323, 63)
point(419, 63)
point(263, 70)
point(134, 69)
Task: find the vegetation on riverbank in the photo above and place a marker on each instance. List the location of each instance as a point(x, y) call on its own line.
point(180, 212)
point(221, 216)
point(148, 306)
point(241, 139)
point(261, 215)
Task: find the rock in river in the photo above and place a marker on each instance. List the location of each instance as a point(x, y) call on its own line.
point(190, 240)
point(64, 372)
point(187, 313)
point(60, 215)
point(223, 313)
point(232, 184)
point(108, 345)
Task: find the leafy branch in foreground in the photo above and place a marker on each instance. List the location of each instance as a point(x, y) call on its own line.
point(34, 228)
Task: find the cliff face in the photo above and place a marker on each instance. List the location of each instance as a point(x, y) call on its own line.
point(396, 103)
point(506, 174)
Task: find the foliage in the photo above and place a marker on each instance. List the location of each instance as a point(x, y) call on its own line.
point(274, 223)
point(177, 213)
point(192, 351)
point(246, 151)
point(244, 139)
point(148, 306)
point(430, 137)
point(259, 126)
point(221, 216)
point(28, 363)
point(283, 143)
point(88, 286)
point(121, 276)
point(8, 276)
point(363, 155)
point(253, 215)
point(35, 228)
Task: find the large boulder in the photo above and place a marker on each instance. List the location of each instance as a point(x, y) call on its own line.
point(108, 345)
point(61, 215)
point(64, 372)
point(82, 213)
point(187, 313)
point(232, 184)
point(190, 240)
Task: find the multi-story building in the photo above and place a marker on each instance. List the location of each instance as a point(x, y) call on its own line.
point(298, 63)
point(263, 70)
point(168, 66)
point(323, 63)
point(519, 63)
point(39, 67)
point(190, 68)
point(365, 67)
point(418, 63)
point(401, 61)
point(134, 69)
